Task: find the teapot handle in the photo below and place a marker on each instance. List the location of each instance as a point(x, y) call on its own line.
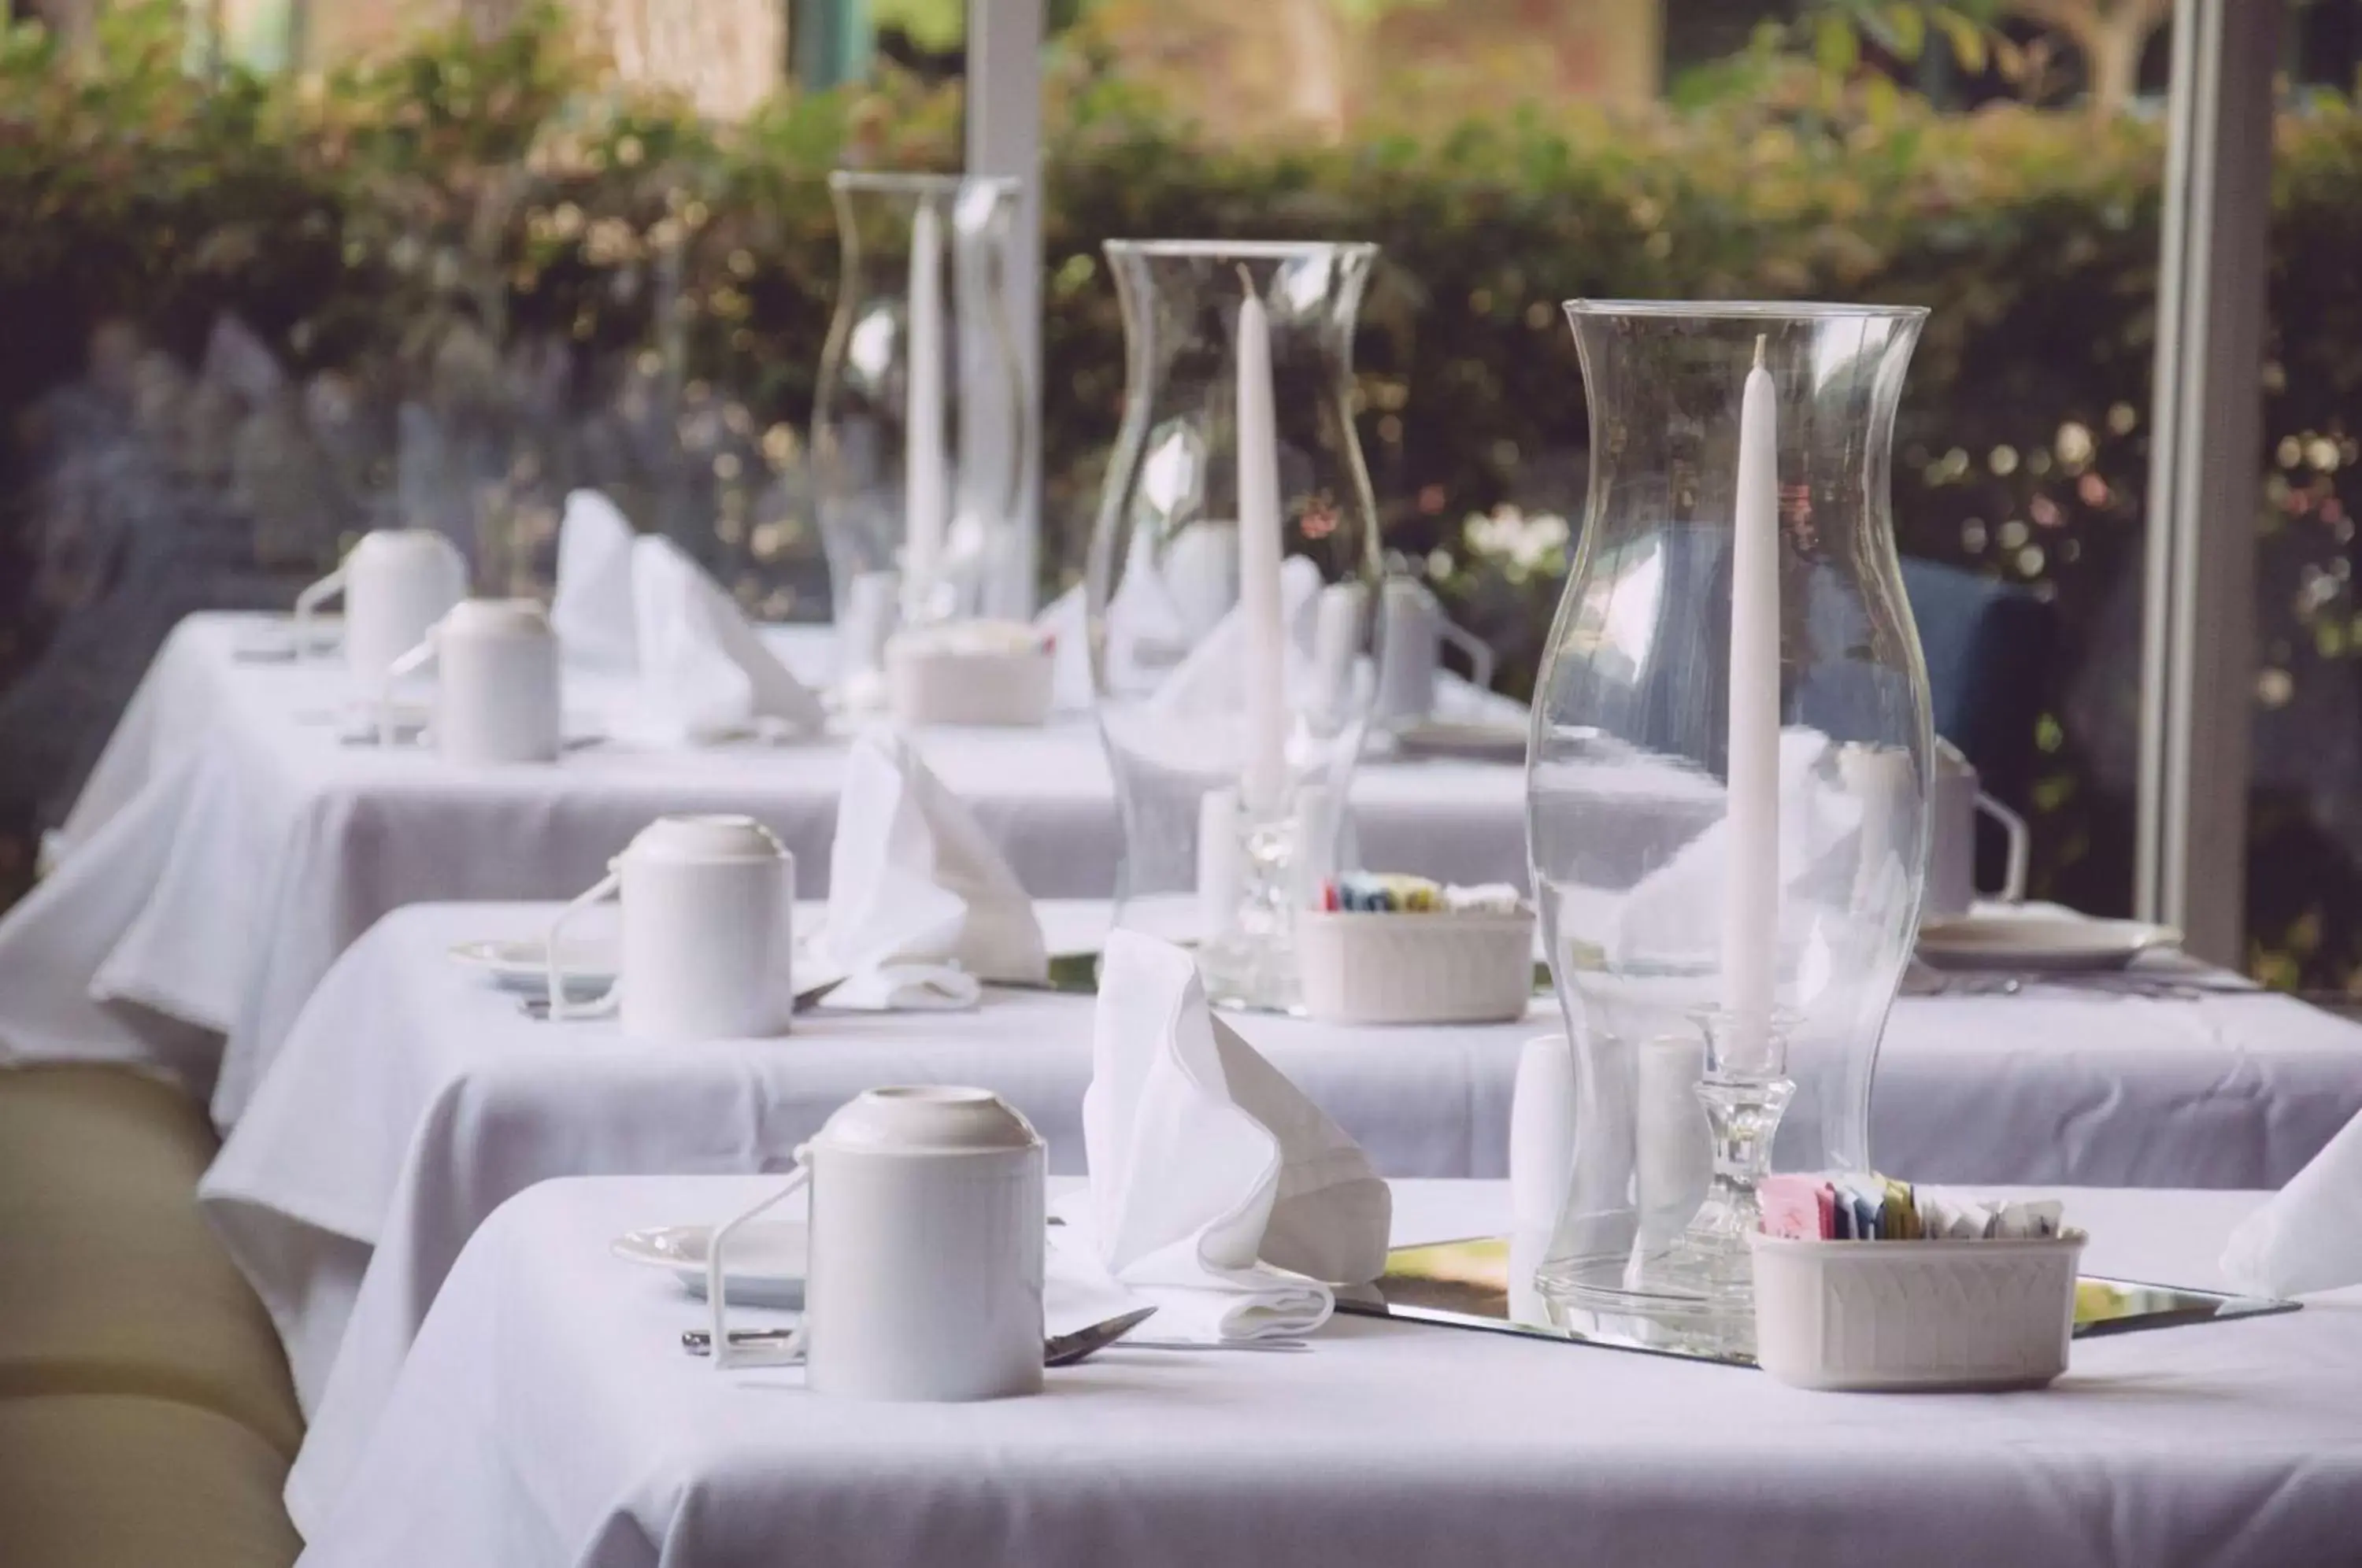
point(559, 1007)
point(2012, 882)
point(414, 659)
point(1479, 651)
point(308, 607)
point(725, 1355)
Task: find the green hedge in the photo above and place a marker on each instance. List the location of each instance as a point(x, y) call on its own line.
point(501, 192)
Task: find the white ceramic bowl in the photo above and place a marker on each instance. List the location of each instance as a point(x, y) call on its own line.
point(1914, 1315)
point(1359, 967)
point(927, 684)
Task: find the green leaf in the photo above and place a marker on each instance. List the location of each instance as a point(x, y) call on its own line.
point(1837, 48)
point(1967, 39)
point(1907, 30)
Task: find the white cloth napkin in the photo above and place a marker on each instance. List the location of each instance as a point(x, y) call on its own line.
point(704, 675)
point(1210, 679)
point(1671, 910)
point(1218, 1191)
point(2308, 1235)
point(921, 906)
point(592, 610)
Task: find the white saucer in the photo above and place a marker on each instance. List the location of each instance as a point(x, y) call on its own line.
point(2034, 940)
point(524, 965)
point(767, 1259)
point(1477, 740)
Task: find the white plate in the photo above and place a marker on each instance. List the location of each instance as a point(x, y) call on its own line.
point(767, 1259)
point(524, 965)
point(1448, 738)
point(2036, 941)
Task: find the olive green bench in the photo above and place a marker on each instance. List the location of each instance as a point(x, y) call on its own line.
point(146, 1416)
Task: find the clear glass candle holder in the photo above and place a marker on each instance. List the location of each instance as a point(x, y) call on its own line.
point(1233, 748)
point(918, 423)
point(1711, 1049)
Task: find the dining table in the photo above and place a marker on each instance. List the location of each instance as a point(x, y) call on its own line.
point(415, 1095)
point(547, 1415)
point(244, 826)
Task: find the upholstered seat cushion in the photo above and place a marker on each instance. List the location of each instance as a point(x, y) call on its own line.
point(120, 1481)
point(111, 1282)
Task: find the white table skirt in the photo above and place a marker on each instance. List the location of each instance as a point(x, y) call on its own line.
point(413, 1098)
point(228, 846)
point(549, 1417)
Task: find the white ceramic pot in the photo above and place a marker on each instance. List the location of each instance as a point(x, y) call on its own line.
point(1001, 673)
point(1954, 802)
point(708, 936)
point(1359, 967)
point(497, 697)
point(1412, 631)
point(1905, 1315)
point(925, 1271)
point(396, 582)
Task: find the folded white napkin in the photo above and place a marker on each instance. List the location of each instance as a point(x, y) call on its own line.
point(1209, 680)
point(704, 675)
point(921, 906)
point(592, 610)
point(1218, 1191)
point(1672, 908)
point(2308, 1235)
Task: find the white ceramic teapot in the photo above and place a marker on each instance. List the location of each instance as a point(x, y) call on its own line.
point(497, 696)
point(708, 934)
point(925, 1273)
point(396, 583)
point(1412, 631)
point(1954, 802)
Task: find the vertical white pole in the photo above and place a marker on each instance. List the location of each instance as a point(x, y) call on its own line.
point(1004, 136)
point(2198, 666)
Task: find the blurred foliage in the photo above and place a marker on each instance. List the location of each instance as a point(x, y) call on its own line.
point(506, 191)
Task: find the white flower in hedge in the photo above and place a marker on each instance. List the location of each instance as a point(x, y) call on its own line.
point(1518, 543)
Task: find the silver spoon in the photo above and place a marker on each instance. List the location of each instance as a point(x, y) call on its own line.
point(1058, 1349)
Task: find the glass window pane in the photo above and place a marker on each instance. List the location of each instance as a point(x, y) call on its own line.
point(2304, 821)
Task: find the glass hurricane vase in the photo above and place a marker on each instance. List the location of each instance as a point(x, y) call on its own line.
point(918, 431)
point(1233, 674)
point(1726, 792)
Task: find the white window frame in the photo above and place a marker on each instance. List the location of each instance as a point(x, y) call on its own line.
point(1004, 137)
point(2198, 663)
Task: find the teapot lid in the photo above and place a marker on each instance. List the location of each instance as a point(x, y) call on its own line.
point(708, 836)
point(378, 540)
point(928, 1119)
point(497, 618)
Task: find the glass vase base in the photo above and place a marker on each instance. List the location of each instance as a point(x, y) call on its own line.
point(1672, 1300)
point(1250, 974)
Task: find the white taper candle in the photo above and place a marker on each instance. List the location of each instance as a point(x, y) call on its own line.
point(926, 480)
point(1751, 909)
point(1264, 784)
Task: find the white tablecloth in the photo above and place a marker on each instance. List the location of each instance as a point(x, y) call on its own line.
point(549, 1417)
point(412, 1099)
point(228, 846)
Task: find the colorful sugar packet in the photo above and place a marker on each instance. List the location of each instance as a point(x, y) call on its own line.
point(1376, 892)
point(1872, 1208)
